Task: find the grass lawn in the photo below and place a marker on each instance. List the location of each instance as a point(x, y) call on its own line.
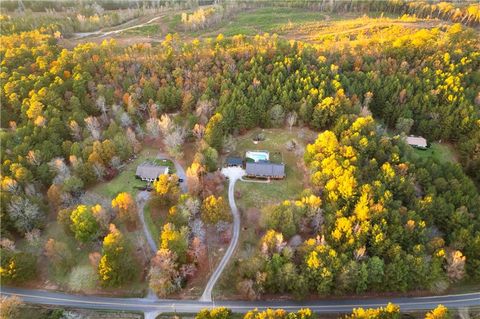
point(80, 260)
point(165, 162)
point(254, 196)
point(125, 181)
point(154, 226)
point(271, 20)
point(173, 22)
point(440, 152)
point(32, 311)
point(146, 30)
point(259, 194)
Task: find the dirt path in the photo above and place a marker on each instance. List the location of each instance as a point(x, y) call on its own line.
point(99, 35)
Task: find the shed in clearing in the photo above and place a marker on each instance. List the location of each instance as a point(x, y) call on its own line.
point(417, 142)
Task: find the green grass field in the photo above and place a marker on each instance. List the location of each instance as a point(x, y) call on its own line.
point(80, 259)
point(153, 226)
point(440, 152)
point(125, 181)
point(260, 194)
point(146, 30)
point(271, 20)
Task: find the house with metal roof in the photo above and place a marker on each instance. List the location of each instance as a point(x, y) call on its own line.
point(150, 172)
point(265, 169)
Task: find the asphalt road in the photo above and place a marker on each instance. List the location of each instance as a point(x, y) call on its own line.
point(471, 300)
point(233, 173)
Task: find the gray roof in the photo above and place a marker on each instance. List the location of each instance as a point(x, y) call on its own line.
point(150, 171)
point(265, 169)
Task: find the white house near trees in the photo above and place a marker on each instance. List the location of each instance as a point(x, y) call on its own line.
point(417, 142)
point(150, 172)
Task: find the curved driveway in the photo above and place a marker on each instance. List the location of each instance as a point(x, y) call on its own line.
point(233, 173)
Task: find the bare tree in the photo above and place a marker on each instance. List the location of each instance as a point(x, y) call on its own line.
point(153, 127)
point(198, 229)
point(365, 111)
point(7, 244)
point(115, 162)
point(174, 140)
point(34, 240)
point(99, 171)
point(291, 119)
point(61, 169)
point(125, 119)
point(187, 270)
point(75, 130)
point(102, 107)
point(34, 157)
point(464, 313)
point(193, 205)
point(11, 307)
point(455, 265)
point(152, 110)
point(198, 131)
point(193, 178)
point(132, 139)
point(25, 215)
point(246, 288)
point(166, 124)
point(204, 110)
point(93, 127)
point(163, 274)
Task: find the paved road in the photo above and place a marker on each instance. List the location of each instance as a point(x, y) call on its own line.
point(233, 173)
point(152, 307)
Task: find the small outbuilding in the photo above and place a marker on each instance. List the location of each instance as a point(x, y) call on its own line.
point(263, 169)
point(234, 161)
point(417, 142)
point(149, 172)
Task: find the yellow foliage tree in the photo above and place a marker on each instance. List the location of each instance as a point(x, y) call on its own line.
point(214, 209)
point(125, 206)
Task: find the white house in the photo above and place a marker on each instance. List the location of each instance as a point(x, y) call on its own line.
point(150, 172)
point(417, 142)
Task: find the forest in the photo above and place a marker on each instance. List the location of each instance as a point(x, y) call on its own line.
point(375, 218)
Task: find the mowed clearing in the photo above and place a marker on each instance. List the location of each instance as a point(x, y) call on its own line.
point(259, 194)
point(438, 151)
point(125, 181)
